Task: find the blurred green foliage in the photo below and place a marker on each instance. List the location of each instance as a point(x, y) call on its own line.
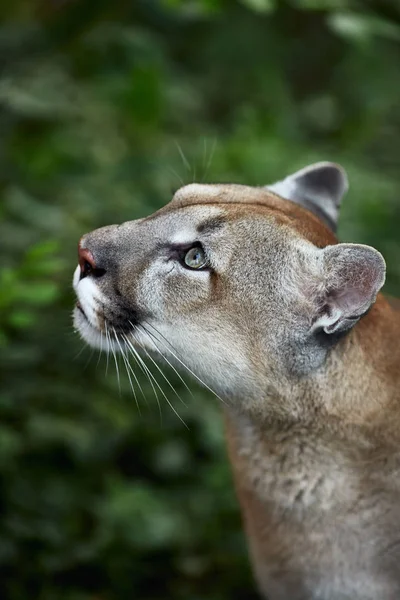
point(99, 103)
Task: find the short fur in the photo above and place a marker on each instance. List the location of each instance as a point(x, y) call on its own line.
point(287, 331)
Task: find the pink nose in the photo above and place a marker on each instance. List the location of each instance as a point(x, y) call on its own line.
point(86, 261)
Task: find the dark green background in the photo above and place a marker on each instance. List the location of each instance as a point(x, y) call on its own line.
point(97, 501)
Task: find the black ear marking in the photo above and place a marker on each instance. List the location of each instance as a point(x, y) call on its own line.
point(319, 188)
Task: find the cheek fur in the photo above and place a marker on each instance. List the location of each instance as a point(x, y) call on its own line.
point(172, 290)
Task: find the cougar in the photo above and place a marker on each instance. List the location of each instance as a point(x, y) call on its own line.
point(250, 289)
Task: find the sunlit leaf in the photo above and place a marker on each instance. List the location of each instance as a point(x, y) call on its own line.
point(21, 319)
point(262, 6)
point(362, 27)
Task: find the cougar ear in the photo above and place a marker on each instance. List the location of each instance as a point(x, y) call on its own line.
point(318, 187)
point(352, 275)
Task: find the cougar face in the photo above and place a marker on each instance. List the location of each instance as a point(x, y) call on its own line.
point(241, 285)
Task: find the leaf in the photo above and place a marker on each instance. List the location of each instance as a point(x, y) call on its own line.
point(38, 294)
point(42, 249)
point(362, 27)
point(260, 6)
point(321, 4)
point(21, 319)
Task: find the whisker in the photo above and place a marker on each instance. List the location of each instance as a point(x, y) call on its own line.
point(134, 374)
point(152, 338)
point(203, 164)
point(181, 361)
point(101, 349)
point(108, 346)
point(176, 175)
point(161, 390)
point(163, 375)
point(183, 157)
point(210, 159)
point(128, 368)
point(70, 330)
point(116, 364)
point(88, 360)
point(140, 362)
point(84, 346)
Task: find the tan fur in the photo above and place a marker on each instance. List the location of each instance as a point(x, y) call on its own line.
point(315, 449)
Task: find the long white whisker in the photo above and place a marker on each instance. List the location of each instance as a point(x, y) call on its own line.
point(80, 352)
point(162, 392)
point(176, 175)
point(181, 362)
point(134, 374)
point(152, 338)
point(203, 164)
point(210, 158)
point(163, 374)
point(88, 360)
point(183, 157)
point(145, 370)
point(116, 363)
point(139, 361)
point(128, 369)
point(108, 346)
point(101, 349)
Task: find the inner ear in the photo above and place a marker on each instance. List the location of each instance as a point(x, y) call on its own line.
point(352, 275)
point(319, 188)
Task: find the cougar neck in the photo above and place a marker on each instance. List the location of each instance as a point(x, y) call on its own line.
point(357, 384)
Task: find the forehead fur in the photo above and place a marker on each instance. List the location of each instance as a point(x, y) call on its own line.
point(199, 193)
point(238, 200)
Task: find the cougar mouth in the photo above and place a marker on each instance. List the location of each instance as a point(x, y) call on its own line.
point(97, 316)
point(79, 307)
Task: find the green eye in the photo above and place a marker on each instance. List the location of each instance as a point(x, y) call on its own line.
point(195, 258)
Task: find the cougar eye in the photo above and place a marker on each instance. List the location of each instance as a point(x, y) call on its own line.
point(195, 258)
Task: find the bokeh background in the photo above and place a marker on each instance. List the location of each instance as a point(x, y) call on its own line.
point(106, 109)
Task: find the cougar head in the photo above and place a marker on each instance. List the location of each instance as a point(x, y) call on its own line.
point(244, 286)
